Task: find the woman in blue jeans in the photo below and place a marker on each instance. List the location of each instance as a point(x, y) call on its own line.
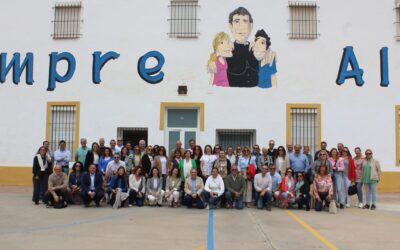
point(338, 168)
point(370, 179)
point(358, 163)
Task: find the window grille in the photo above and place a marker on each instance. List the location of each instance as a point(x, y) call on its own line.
point(236, 137)
point(304, 127)
point(303, 20)
point(183, 21)
point(63, 126)
point(397, 22)
point(67, 20)
point(133, 135)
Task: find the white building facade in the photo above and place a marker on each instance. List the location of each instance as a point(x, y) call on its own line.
point(305, 106)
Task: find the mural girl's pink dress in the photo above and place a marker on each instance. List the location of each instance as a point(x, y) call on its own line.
point(221, 77)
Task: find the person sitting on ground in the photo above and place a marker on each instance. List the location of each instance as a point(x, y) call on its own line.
point(302, 192)
point(263, 187)
point(214, 189)
point(287, 192)
point(118, 188)
point(137, 187)
point(276, 182)
point(75, 180)
point(235, 186)
point(57, 192)
point(154, 190)
point(173, 187)
point(323, 188)
point(194, 187)
point(92, 186)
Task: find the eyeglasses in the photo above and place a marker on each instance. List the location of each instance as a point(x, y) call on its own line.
point(368, 153)
point(217, 148)
point(280, 149)
point(300, 175)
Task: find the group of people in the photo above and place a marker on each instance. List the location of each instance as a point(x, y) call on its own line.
point(126, 175)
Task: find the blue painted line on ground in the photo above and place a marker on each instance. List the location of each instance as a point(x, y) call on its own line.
point(210, 235)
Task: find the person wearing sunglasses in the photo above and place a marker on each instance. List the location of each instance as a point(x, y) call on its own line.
point(302, 192)
point(235, 186)
point(337, 164)
point(371, 176)
point(349, 173)
point(287, 191)
point(358, 164)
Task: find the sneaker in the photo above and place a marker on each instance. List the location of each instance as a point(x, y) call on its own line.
point(341, 206)
point(348, 205)
point(268, 208)
point(130, 205)
point(228, 206)
point(207, 207)
point(360, 205)
point(373, 207)
point(366, 206)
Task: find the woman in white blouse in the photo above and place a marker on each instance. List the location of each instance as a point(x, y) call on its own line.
point(281, 160)
point(137, 187)
point(207, 161)
point(173, 187)
point(214, 189)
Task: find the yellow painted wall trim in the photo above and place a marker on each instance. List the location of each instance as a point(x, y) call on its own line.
point(165, 105)
point(289, 106)
point(397, 112)
point(77, 114)
point(22, 176)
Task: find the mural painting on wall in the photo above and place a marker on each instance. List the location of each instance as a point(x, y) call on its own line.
point(242, 63)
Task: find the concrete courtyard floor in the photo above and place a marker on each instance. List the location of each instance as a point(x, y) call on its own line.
point(24, 225)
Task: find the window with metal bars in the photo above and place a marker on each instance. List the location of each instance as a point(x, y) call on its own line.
point(67, 20)
point(236, 137)
point(133, 135)
point(62, 125)
point(304, 126)
point(303, 20)
point(183, 21)
point(397, 22)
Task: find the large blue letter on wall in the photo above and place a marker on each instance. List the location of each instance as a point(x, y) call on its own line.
point(349, 58)
point(384, 67)
point(17, 67)
point(53, 74)
point(150, 74)
point(99, 61)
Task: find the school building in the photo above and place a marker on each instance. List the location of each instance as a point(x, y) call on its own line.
point(142, 69)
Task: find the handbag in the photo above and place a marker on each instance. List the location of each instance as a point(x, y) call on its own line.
point(352, 190)
point(332, 207)
point(251, 170)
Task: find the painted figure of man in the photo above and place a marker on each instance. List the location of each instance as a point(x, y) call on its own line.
point(242, 66)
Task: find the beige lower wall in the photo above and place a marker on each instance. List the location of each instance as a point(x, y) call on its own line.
point(22, 176)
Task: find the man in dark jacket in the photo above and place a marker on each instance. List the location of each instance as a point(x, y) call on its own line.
point(242, 66)
point(92, 186)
